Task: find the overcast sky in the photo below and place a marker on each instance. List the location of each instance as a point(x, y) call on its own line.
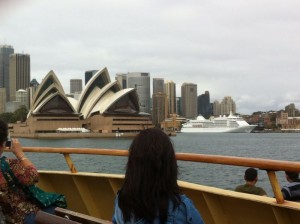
point(249, 50)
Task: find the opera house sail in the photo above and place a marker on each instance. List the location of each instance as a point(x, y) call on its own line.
point(102, 107)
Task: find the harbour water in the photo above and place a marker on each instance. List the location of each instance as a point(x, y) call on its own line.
point(278, 146)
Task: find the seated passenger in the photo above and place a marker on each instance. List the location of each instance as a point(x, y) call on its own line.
point(291, 191)
point(16, 207)
point(249, 187)
point(150, 193)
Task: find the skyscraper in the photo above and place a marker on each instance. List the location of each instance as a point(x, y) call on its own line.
point(189, 100)
point(227, 106)
point(2, 100)
point(22, 97)
point(88, 75)
point(33, 85)
point(5, 52)
point(178, 106)
point(75, 85)
point(19, 74)
point(170, 89)
point(216, 108)
point(159, 109)
point(158, 85)
point(291, 110)
point(122, 79)
point(141, 82)
point(204, 107)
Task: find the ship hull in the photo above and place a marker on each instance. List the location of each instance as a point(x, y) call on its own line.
point(243, 129)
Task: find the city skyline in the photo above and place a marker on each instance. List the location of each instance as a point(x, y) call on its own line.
point(246, 50)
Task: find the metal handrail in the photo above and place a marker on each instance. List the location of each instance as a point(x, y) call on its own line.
point(271, 166)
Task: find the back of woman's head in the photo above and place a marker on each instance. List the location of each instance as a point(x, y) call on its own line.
point(3, 132)
point(151, 175)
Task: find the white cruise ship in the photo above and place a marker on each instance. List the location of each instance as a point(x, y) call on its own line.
point(220, 124)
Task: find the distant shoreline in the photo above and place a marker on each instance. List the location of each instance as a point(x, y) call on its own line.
point(277, 131)
point(115, 135)
point(72, 135)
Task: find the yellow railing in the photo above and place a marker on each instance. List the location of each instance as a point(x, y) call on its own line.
point(270, 166)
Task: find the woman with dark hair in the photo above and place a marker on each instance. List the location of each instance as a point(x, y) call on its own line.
point(150, 193)
point(16, 206)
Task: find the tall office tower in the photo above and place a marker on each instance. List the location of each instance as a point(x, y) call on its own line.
point(75, 85)
point(33, 85)
point(204, 107)
point(227, 106)
point(88, 75)
point(122, 79)
point(5, 52)
point(189, 100)
point(19, 74)
point(2, 100)
point(158, 85)
point(291, 110)
point(141, 82)
point(170, 89)
point(159, 108)
point(22, 97)
point(178, 106)
point(216, 108)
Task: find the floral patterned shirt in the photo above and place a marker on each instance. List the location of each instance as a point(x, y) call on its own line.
point(15, 205)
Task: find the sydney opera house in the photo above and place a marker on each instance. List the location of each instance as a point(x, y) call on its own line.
point(102, 107)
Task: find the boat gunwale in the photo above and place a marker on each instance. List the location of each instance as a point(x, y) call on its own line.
point(263, 164)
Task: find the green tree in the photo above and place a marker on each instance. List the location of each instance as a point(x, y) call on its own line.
point(21, 114)
point(7, 117)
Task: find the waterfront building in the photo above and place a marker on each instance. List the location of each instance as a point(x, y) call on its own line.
point(88, 75)
point(189, 100)
point(22, 97)
point(75, 85)
point(291, 110)
point(122, 79)
point(141, 82)
point(227, 105)
point(103, 107)
point(178, 106)
point(216, 108)
point(33, 85)
point(285, 122)
point(19, 74)
point(173, 123)
point(204, 106)
point(282, 119)
point(5, 52)
point(2, 100)
point(170, 88)
point(159, 108)
point(158, 85)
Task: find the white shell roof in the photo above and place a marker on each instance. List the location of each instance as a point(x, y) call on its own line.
point(109, 99)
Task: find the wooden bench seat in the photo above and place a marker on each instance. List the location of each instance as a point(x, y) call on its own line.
point(65, 216)
point(79, 217)
point(47, 218)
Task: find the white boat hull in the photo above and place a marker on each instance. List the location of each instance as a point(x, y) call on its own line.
point(243, 129)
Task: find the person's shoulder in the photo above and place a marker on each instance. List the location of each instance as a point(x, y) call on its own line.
point(191, 214)
point(239, 187)
point(261, 191)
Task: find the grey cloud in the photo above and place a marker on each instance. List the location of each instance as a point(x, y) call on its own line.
point(246, 49)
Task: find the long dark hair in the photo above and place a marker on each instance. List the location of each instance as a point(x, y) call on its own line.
point(3, 132)
point(151, 177)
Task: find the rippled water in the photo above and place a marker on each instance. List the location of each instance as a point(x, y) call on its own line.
point(281, 146)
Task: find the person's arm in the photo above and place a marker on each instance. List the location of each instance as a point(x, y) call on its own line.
point(22, 167)
point(16, 148)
